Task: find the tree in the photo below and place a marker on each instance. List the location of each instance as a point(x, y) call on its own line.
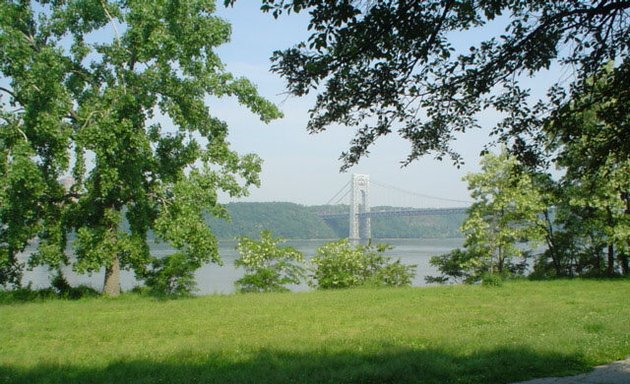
point(594, 203)
point(268, 267)
point(113, 94)
point(589, 231)
point(454, 267)
point(386, 65)
point(506, 211)
point(595, 123)
point(339, 264)
point(560, 255)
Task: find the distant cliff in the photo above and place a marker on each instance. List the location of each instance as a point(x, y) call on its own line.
point(294, 221)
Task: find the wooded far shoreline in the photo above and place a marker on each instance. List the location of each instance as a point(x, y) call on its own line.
point(294, 221)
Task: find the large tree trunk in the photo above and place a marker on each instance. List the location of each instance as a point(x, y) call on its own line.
point(610, 270)
point(13, 272)
point(111, 286)
point(597, 254)
point(553, 251)
point(623, 260)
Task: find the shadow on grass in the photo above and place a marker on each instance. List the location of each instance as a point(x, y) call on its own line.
point(390, 365)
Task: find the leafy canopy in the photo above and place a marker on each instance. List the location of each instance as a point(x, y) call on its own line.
point(114, 93)
point(394, 65)
point(592, 202)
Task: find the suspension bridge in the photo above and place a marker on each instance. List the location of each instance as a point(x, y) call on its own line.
point(360, 212)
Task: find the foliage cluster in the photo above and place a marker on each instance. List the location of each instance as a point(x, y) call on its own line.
point(592, 200)
point(171, 275)
point(583, 223)
point(111, 137)
point(60, 289)
point(505, 214)
point(339, 264)
point(268, 266)
point(582, 218)
point(393, 66)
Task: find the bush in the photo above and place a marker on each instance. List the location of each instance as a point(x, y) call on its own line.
point(26, 294)
point(338, 264)
point(173, 275)
point(268, 267)
point(470, 267)
point(60, 289)
point(453, 267)
point(491, 280)
point(10, 270)
point(66, 291)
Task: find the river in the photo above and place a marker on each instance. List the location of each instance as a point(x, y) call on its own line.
point(215, 279)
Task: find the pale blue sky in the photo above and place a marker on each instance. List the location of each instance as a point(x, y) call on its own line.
point(304, 168)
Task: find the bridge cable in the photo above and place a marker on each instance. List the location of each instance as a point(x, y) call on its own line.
point(340, 200)
point(418, 194)
point(338, 193)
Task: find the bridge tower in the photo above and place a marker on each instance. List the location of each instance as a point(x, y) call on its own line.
point(360, 226)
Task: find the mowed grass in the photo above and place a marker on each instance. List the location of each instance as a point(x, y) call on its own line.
point(455, 334)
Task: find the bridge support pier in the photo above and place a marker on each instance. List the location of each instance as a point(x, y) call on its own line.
point(360, 225)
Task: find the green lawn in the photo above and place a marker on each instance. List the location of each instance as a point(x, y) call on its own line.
point(455, 334)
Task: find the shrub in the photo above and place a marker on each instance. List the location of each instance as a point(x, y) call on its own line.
point(470, 267)
point(453, 267)
point(491, 280)
point(339, 264)
point(59, 289)
point(173, 275)
point(66, 291)
point(26, 294)
point(268, 267)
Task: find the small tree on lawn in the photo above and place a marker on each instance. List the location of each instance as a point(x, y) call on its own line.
point(506, 212)
point(268, 266)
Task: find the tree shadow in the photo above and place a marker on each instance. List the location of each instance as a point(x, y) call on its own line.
point(388, 365)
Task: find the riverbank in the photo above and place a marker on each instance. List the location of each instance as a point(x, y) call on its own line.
point(217, 279)
point(455, 334)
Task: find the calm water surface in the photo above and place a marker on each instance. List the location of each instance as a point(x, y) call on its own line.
point(215, 279)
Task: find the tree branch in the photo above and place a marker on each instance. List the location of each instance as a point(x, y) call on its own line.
point(6, 90)
point(111, 20)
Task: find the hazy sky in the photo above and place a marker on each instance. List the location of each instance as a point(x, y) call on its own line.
point(304, 168)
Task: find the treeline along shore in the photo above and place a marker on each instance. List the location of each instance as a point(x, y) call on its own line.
point(294, 221)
